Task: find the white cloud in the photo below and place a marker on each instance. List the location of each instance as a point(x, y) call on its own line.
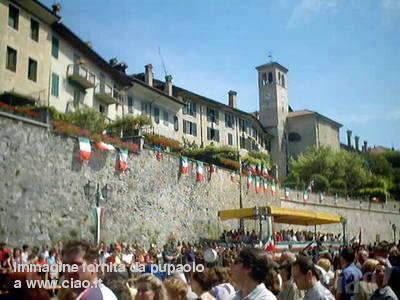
point(307, 9)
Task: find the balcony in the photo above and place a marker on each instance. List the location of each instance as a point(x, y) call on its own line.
point(81, 76)
point(107, 94)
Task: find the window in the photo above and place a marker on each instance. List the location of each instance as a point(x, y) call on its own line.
point(212, 115)
point(270, 77)
point(54, 84)
point(13, 16)
point(254, 132)
point(54, 47)
point(229, 120)
point(32, 69)
point(145, 109)
point(34, 30)
point(248, 127)
point(130, 104)
point(176, 123)
point(242, 125)
point(294, 137)
point(102, 109)
point(242, 142)
point(11, 60)
point(230, 139)
point(189, 108)
point(283, 80)
point(254, 146)
point(156, 115)
point(212, 134)
point(264, 79)
point(189, 128)
point(165, 118)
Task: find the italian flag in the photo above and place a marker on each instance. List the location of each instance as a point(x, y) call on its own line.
point(123, 159)
point(159, 155)
point(184, 165)
point(249, 181)
point(253, 170)
point(200, 171)
point(273, 188)
point(104, 147)
point(264, 171)
point(258, 184)
point(84, 147)
point(259, 168)
point(305, 196)
point(266, 186)
point(287, 194)
point(98, 214)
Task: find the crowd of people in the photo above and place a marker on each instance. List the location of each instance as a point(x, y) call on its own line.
point(251, 237)
point(306, 236)
point(234, 272)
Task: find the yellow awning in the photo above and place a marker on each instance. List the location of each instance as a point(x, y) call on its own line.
point(282, 215)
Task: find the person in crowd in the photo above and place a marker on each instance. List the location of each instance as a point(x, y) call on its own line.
point(366, 287)
point(176, 288)
point(17, 257)
point(362, 256)
point(118, 285)
point(349, 277)
point(149, 287)
point(384, 291)
point(18, 288)
point(248, 274)
point(85, 255)
point(223, 289)
point(306, 277)
point(25, 253)
point(325, 264)
point(202, 283)
point(289, 289)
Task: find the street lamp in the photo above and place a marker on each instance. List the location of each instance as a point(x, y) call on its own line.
point(394, 227)
point(343, 220)
point(93, 190)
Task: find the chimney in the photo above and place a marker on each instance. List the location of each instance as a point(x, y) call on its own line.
point(113, 62)
point(349, 139)
point(56, 7)
point(365, 146)
point(89, 44)
point(232, 99)
point(148, 74)
point(357, 140)
point(168, 85)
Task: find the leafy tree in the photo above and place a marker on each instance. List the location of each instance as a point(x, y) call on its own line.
point(321, 183)
point(128, 126)
point(87, 118)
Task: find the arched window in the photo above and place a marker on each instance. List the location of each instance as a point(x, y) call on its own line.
point(294, 137)
point(176, 123)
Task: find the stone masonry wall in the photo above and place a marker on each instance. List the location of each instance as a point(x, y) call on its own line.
point(42, 198)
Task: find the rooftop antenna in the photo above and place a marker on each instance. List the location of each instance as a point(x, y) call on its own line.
point(270, 56)
point(162, 61)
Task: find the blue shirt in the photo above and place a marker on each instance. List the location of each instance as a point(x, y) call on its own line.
point(349, 280)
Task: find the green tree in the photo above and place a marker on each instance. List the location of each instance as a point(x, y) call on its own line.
point(128, 126)
point(87, 118)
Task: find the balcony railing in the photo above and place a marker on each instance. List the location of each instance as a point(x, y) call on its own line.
point(81, 76)
point(106, 93)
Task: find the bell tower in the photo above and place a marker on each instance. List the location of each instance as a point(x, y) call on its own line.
point(274, 109)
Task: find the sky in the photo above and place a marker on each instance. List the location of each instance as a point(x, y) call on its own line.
point(343, 56)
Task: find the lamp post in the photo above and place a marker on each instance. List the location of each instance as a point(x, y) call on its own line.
point(344, 223)
point(394, 227)
point(92, 189)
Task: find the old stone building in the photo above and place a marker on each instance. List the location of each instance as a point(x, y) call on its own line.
point(44, 63)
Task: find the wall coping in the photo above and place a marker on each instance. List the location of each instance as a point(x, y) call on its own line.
point(340, 206)
point(23, 119)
